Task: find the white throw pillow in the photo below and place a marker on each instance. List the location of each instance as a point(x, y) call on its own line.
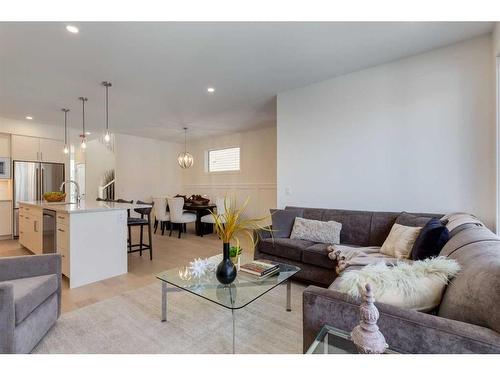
point(411, 285)
point(316, 231)
point(400, 240)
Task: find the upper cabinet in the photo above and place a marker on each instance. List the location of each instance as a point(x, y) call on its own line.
point(37, 149)
point(4, 146)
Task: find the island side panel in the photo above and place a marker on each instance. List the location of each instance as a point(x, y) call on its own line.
point(98, 246)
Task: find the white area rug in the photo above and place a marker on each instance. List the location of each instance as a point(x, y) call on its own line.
point(130, 323)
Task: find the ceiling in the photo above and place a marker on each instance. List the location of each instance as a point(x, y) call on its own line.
point(160, 70)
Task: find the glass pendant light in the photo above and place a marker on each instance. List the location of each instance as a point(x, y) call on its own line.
point(66, 148)
point(83, 145)
point(107, 135)
point(185, 159)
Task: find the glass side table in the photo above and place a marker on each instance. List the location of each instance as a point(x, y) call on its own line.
point(331, 340)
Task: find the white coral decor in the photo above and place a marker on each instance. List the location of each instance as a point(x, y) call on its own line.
point(199, 267)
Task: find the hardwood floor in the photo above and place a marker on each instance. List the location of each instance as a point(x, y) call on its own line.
point(168, 252)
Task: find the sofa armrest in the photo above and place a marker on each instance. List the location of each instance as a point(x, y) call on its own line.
point(404, 330)
point(260, 234)
point(7, 317)
point(12, 268)
point(29, 266)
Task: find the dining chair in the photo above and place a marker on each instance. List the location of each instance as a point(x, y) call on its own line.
point(178, 216)
point(221, 205)
point(161, 215)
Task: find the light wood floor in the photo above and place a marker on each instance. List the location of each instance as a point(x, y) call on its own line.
point(168, 252)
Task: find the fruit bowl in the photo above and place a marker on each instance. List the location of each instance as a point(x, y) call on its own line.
point(54, 196)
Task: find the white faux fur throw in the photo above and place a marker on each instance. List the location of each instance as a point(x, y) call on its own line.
point(418, 285)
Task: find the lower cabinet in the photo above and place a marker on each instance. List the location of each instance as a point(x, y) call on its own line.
point(62, 241)
point(31, 228)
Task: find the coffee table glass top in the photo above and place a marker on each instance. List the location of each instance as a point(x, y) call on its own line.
point(244, 289)
point(331, 340)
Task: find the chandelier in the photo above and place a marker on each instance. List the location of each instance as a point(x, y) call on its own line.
point(185, 159)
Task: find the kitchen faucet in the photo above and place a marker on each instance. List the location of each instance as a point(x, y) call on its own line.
point(78, 197)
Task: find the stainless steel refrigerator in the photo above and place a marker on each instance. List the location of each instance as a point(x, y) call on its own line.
point(32, 180)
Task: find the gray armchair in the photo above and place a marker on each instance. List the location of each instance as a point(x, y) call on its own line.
point(30, 300)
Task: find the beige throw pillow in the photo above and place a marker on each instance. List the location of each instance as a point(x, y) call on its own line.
point(400, 240)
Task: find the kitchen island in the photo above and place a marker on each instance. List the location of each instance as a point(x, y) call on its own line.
point(90, 236)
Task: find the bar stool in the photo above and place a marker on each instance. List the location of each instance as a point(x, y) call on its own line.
point(145, 219)
point(128, 217)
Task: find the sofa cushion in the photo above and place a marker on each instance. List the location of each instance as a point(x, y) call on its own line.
point(355, 225)
point(316, 230)
point(30, 292)
point(284, 247)
point(317, 255)
point(411, 220)
point(380, 227)
point(400, 240)
point(282, 221)
point(430, 241)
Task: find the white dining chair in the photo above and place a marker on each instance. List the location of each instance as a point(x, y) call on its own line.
point(161, 214)
point(221, 205)
point(177, 214)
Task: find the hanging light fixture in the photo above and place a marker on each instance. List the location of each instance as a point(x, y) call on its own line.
point(66, 148)
point(83, 136)
point(107, 135)
point(185, 159)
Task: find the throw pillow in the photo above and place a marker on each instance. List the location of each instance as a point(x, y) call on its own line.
point(400, 240)
point(431, 240)
point(411, 285)
point(411, 220)
point(282, 221)
point(316, 231)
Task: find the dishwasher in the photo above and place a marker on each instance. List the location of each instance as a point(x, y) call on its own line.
point(49, 232)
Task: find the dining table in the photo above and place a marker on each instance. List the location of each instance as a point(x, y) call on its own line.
point(200, 210)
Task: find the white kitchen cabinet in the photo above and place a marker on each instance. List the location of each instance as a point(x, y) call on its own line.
point(31, 228)
point(4, 146)
point(52, 151)
point(25, 148)
point(37, 149)
point(5, 218)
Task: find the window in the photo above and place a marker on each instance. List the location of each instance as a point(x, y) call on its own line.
point(224, 160)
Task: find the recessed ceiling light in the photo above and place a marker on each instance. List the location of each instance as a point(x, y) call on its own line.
point(88, 133)
point(211, 90)
point(72, 29)
point(29, 118)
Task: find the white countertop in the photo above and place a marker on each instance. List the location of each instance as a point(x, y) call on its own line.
point(91, 206)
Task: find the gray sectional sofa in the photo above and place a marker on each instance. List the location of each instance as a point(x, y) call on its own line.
point(468, 318)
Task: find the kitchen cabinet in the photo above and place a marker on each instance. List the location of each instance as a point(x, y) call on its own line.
point(37, 149)
point(62, 241)
point(5, 218)
point(4, 146)
point(31, 228)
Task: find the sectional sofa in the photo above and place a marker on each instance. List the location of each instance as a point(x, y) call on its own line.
point(468, 318)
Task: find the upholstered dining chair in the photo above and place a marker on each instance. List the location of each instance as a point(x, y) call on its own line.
point(221, 204)
point(178, 216)
point(162, 217)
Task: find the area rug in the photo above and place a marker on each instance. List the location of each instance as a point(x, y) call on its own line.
point(130, 323)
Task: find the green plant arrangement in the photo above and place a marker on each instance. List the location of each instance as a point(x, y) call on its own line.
point(235, 251)
point(229, 225)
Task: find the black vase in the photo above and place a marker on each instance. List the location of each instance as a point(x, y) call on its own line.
point(226, 271)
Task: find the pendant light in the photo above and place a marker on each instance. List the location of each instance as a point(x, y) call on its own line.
point(107, 135)
point(66, 148)
point(185, 159)
point(83, 145)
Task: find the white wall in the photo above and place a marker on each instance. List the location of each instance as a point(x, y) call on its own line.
point(146, 167)
point(417, 134)
point(98, 160)
point(256, 179)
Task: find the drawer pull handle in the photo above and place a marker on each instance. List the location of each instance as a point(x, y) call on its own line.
point(61, 217)
point(61, 230)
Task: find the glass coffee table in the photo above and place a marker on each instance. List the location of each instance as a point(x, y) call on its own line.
point(245, 288)
point(331, 340)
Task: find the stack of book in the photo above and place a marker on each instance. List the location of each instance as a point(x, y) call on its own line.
point(260, 268)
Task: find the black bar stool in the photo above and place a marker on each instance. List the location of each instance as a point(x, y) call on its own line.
point(145, 219)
